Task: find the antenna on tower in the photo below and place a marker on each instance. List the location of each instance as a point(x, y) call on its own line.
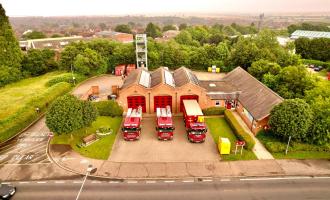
point(261, 19)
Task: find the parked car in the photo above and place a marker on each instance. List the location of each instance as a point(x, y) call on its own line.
point(7, 191)
point(317, 69)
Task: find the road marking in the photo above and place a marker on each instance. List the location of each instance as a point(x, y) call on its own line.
point(96, 182)
point(322, 177)
point(169, 181)
point(6, 183)
point(275, 178)
point(77, 182)
point(225, 179)
point(188, 181)
point(23, 182)
point(131, 182)
point(59, 181)
point(41, 182)
point(113, 181)
point(148, 182)
point(207, 180)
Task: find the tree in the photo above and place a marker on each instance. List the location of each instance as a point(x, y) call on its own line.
point(185, 38)
point(10, 52)
point(69, 54)
point(293, 118)
point(261, 67)
point(169, 27)
point(90, 63)
point(68, 113)
point(244, 53)
point(103, 26)
point(56, 35)
point(183, 26)
point(153, 30)
point(317, 49)
point(123, 28)
point(34, 35)
point(37, 62)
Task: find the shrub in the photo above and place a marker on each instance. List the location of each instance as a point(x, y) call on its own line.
point(66, 78)
point(27, 114)
point(214, 111)
point(109, 108)
point(239, 131)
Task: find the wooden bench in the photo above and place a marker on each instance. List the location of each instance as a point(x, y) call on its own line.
point(89, 139)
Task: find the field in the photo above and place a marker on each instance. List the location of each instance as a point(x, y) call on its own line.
point(100, 149)
point(16, 95)
point(218, 127)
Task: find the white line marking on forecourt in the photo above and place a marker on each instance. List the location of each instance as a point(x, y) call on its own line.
point(169, 181)
point(188, 181)
point(148, 182)
point(41, 182)
point(275, 178)
point(131, 182)
point(59, 181)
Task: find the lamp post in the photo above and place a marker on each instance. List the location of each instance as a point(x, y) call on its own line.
point(88, 171)
point(73, 78)
point(287, 146)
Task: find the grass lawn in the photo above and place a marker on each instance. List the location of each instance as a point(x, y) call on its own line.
point(219, 127)
point(323, 73)
point(100, 149)
point(297, 150)
point(14, 96)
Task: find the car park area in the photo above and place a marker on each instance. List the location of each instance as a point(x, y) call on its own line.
point(149, 149)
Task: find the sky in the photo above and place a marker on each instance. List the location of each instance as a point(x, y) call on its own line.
point(158, 7)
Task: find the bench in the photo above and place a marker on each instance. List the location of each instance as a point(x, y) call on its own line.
point(90, 139)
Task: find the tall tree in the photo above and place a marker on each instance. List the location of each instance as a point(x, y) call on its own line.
point(123, 28)
point(261, 67)
point(34, 35)
point(152, 30)
point(10, 52)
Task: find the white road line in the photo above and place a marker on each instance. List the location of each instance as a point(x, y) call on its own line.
point(77, 182)
point(6, 183)
point(96, 182)
point(169, 181)
point(275, 178)
point(59, 181)
point(322, 177)
point(131, 182)
point(148, 182)
point(188, 181)
point(113, 181)
point(23, 182)
point(207, 180)
point(225, 179)
point(41, 182)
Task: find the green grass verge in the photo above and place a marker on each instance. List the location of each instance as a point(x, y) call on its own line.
point(100, 149)
point(218, 127)
point(303, 155)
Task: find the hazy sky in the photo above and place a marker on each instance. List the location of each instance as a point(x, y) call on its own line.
point(131, 7)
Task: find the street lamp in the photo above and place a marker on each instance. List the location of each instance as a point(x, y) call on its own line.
point(73, 78)
point(88, 171)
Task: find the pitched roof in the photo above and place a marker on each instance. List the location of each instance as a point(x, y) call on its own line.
point(310, 34)
point(183, 76)
point(218, 89)
point(257, 98)
point(132, 78)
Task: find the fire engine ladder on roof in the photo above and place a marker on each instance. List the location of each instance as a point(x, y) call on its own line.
point(141, 50)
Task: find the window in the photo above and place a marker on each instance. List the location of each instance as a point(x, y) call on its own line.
point(217, 103)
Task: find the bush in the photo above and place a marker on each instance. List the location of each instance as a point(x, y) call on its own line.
point(27, 114)
point(239, 131)
point(214, 111)
point(66, 78)
point(109, 108)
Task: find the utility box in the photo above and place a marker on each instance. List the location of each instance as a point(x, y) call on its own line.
point(224, 145)
point(217, 70)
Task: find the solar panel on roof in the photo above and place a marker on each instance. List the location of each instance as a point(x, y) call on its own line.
point(169, 80)
point(145, 79)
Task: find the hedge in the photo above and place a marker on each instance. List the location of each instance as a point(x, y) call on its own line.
point(109, 108)
point(239, 131)
point(23, 117)
point(214, 111)
point(316, 63)
point(66, 78)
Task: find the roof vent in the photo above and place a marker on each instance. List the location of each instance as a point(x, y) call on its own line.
point(212, 85)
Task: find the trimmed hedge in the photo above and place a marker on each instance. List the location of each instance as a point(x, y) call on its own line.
point(214, 111)
point(109, 108)
point(239, 131)
point(66, 78)
point(23, 117)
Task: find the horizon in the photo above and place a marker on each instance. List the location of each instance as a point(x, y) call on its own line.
point(61, 8)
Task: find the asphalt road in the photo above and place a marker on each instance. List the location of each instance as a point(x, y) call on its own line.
point(272, 188)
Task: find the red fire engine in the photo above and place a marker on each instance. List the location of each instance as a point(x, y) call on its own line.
point(132, 125)
point(194, 121)
point(165, 126)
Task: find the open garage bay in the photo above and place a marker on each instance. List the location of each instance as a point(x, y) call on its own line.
point(150, 149)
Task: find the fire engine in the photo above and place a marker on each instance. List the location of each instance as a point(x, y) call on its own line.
point(194, 121)
point(165, 126)
point(132, 125)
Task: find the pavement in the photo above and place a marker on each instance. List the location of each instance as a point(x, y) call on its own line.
point(293, 188)
point(259, 149)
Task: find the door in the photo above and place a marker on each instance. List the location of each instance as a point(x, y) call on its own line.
point(187, 97)
point(136, 101)
point(162, 102)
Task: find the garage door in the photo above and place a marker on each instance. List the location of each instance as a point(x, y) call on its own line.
point(162, 102)
point(187, 97)
point(136, 101)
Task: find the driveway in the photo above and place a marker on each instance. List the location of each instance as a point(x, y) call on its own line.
point(150, 149)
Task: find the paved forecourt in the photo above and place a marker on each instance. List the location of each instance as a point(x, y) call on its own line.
point(150, 149)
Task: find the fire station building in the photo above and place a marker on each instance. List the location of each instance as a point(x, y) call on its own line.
point(237, 90)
